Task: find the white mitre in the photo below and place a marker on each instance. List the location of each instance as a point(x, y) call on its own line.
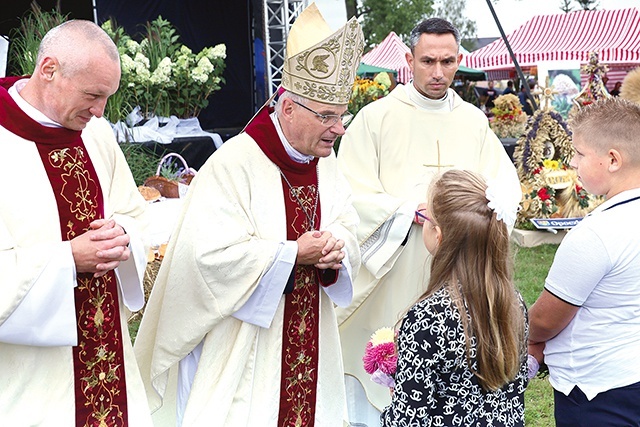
point(320, 64)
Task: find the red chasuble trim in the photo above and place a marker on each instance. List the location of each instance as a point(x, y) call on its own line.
point(98, 359)
point(300, 337)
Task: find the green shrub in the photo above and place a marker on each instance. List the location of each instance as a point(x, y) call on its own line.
point(25, 39)
point(142, 161)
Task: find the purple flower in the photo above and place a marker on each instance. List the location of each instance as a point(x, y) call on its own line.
point(381, 378)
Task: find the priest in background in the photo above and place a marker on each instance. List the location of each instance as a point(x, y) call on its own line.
point(390, 154)
point(240, 328)
point(68, 268)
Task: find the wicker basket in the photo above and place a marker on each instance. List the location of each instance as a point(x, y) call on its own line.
point(149, 279)
point(170, 188)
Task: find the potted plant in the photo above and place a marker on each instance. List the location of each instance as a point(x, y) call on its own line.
point(161, 75)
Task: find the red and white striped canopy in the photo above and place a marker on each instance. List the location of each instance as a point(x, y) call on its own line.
point(390, 53)
point(614, 34)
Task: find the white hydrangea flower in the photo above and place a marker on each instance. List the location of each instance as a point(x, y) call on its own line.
point(127, 64)
point(219, 51)
point(199, 76)
point(132, 46)
point(184, 58)
point(142, 67)
point(148, 88)
point(141, 60)
point(162, 74)
point(183, 63)
point(205, 65)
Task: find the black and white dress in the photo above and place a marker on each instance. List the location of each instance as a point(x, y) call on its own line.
point(434, 385)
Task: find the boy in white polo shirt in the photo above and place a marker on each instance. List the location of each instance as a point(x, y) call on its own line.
point(587, 319)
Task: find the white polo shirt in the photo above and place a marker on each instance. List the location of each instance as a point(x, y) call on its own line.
point(597, 267)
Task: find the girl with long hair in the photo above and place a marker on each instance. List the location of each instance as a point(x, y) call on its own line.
point(462, 355)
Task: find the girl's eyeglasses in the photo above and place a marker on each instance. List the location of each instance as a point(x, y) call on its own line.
point(420, 218)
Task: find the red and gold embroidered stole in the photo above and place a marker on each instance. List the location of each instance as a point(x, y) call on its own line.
point(298, 383)
point(300, 336)
point(98, 359)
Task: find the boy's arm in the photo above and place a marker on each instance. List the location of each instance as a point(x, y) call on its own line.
point(548, 316)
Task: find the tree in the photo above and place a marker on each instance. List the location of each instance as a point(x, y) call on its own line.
point(352, 8)
point(453, 11)
point(588, 4)
point(566, 6)
point(379, 17)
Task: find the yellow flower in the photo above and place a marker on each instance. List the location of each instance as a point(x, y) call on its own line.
point(550, 164)
point(364, 92)
point(382, 336)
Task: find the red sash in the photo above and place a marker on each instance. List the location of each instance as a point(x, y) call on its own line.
point(98, 359)
point(300, 335)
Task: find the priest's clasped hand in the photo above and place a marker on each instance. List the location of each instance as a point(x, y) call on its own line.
point(320, 249)
point(101, 248)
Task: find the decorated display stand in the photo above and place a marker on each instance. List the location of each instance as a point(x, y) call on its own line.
point(508, 121)
point(553, 197)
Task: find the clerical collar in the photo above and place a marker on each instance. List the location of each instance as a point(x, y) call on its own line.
point(295, 155)
point(444, 104)
point(29, 109)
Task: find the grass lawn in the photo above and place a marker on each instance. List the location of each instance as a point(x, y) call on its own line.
point(532, 265)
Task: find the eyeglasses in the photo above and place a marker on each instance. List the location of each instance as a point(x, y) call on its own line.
point(329, 119)
point(419, 215)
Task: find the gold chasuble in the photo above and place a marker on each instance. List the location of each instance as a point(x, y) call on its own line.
point(100, 388)
point(300, 338)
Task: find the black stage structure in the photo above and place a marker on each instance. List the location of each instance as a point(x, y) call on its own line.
point(200, 23)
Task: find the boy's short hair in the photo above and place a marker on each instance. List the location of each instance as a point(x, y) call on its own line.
point(610, 123)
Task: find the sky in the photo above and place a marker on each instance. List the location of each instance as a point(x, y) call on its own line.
point(511, 13)
point(514, 13)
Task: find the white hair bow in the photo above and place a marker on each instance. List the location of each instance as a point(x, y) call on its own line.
point(503, 201)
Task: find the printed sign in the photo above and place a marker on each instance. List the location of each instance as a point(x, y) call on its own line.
point(554, 223)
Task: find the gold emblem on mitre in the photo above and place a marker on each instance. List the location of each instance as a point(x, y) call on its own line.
point(321, 64)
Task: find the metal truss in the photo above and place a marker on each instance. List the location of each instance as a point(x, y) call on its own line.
point(279, 16)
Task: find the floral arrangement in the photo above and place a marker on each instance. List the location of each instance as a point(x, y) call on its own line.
point(162, 76)
point(366, 91)
point(594, 89)
point(380, 357)
point(509, 121)
point(550, 186)
point(541, 193)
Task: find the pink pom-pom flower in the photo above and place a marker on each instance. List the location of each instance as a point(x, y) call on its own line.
point(380, 357)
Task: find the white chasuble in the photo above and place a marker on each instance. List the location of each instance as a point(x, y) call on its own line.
point(227, 238)
point(37, 309)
